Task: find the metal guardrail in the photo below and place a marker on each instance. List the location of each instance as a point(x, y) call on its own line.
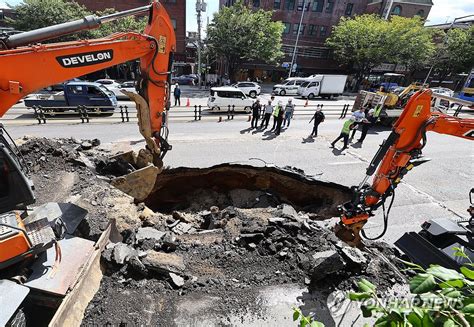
point(125, 114)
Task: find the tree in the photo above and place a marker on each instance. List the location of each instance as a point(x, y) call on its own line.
point(413, 46)
point(361, 42)
point(240, 34)
point(367, 41)
point(34, 14)
point(455, 52)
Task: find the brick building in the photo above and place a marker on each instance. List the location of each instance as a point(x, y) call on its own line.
point(175, 8)
point(406, 8)
point(319, 18)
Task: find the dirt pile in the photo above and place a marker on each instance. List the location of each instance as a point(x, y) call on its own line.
point(226, 254)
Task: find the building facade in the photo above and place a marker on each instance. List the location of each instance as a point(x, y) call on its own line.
point(318, 19)
point(175, 8)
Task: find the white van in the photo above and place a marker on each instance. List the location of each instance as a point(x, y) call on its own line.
point(289, 86)
point(223, 97)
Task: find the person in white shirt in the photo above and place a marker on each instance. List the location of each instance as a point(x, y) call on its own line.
point(267, 114)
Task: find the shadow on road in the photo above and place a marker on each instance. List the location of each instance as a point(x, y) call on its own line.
point(308, 139)
point(338, 152)
point(247, 130)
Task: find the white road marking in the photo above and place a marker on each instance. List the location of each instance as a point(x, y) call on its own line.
point(345, 163)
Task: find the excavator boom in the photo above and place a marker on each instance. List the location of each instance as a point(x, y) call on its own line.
point(397, 155)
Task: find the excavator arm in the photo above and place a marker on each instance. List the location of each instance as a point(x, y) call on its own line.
point(397, 155)
point(28, 67)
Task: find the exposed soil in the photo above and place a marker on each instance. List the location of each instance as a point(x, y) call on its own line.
point(204, 240)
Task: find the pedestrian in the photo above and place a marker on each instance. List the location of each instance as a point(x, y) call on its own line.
point(369, 121)
point(280, 115)
point(276, 112)
point(289, 110)
point(359, 116)
point(256, 107)
point(318, 118)
point(267, 115)
point(346, 129)
point(177, 95)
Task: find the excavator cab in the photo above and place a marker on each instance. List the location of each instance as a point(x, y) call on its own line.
point(16, 190)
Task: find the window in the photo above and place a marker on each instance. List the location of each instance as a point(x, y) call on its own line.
point(313, 84)
point(318, 5)
point(313, 29)
point(173, 21)
point(301, 3)
point(421, 13)
point(397, 10)
point(295, 29)
point(277, 4)
point(323, 31)
point(256, 3)
point(349, 8)
point(299, 82)
point(75, 89)
point(92, 90)
point(330, 6)
point(287, 28)
point(290, 4)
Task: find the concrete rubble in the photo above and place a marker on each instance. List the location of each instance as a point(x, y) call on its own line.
point(220, 244)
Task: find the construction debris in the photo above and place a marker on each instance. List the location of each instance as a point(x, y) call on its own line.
point(217, 233)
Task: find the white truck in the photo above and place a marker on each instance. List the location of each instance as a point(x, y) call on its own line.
point(324, 86)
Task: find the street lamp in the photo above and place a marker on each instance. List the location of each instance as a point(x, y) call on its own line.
point(200, 7)
point(293, 58)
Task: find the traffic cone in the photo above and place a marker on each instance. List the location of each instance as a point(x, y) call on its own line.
point(306, 103)
point(188, 104)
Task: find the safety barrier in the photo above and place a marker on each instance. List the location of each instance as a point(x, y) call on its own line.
point(125, 114)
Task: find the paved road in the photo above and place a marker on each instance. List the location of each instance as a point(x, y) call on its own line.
point(438, 188)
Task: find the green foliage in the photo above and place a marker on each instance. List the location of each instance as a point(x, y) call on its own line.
point(367, 41)
point(240, 34)
point(455, 52)
point(34, 14)
point(442, 297)
point(305, 321)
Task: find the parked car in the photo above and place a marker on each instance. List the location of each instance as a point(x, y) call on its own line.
point(289, 86)
point(222, 97)
point(92, 95)
point(184, 80)
point(443, 91)
point(251, 89)
point(116, 88)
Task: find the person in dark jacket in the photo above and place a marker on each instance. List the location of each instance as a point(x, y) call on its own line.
point(318, 118)
point(256, 107)
point(369, 121)
point(177, 95)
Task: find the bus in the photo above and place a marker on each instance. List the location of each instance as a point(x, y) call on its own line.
point(467, 92)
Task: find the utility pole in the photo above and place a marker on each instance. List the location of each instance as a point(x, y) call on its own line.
point(293, 58)
point(200, 7)
point(387, 13)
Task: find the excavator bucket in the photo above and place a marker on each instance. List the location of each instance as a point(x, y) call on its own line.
point(139, 183)
point(147, 164)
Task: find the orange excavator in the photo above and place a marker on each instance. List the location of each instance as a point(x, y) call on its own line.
point(397, 155)
point(27, 66)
